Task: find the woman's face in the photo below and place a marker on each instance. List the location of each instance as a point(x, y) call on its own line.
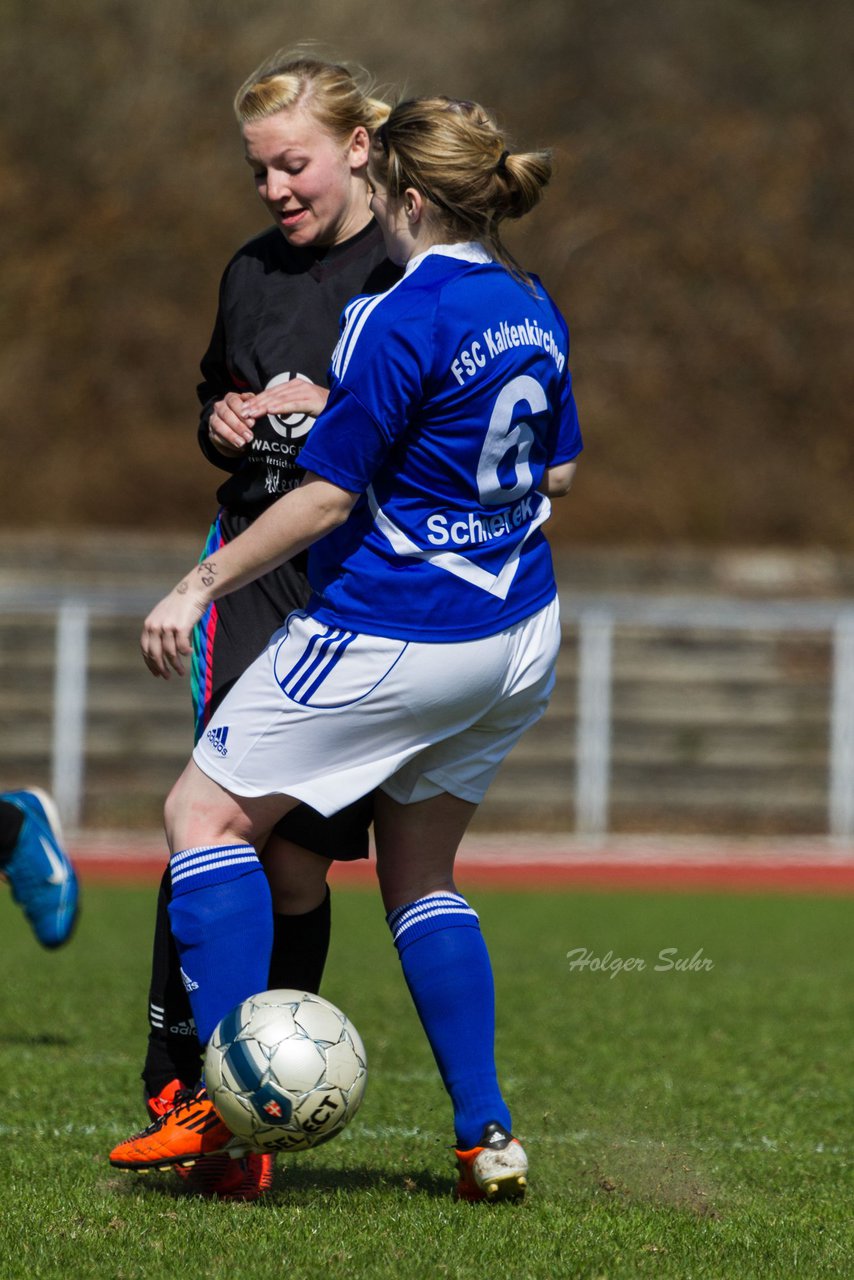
point(312, 183)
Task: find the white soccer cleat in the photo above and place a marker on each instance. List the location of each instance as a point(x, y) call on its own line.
point(497, 1169)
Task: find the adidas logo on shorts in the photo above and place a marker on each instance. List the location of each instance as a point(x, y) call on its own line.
point(189, 983)
point(217, 739)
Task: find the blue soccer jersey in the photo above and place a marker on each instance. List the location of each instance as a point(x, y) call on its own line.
point(450, 397)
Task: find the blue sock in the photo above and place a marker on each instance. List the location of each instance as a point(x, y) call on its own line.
point(222, 922)
point(447, 970)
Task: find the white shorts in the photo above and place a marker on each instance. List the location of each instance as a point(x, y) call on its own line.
point(327, 715)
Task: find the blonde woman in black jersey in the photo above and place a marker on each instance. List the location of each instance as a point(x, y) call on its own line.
point(306, 126)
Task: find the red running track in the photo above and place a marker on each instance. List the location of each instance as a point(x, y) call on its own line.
point(645, 864)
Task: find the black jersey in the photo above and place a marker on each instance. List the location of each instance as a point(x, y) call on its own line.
point(278, 317)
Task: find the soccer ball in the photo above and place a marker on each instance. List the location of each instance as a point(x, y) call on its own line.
point(285, 1070)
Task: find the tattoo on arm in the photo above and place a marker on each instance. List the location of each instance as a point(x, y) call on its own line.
point(207, 572)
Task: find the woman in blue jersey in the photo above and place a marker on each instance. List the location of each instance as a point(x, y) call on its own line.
point(429, 643)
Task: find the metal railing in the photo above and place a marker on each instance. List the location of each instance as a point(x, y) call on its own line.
point(73, 614)
point(595, 619)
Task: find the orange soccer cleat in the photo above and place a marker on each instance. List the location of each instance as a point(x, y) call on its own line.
point(497, 1169)
point(246, 1178)
point(187, 1132)
point(158, 1104)
point(219, 1175)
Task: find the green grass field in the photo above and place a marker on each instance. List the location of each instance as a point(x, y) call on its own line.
point(680, 1122)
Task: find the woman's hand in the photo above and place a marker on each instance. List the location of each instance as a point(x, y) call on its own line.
point(294, 396)
point(292, 523)
point(230, 426)
point(229, 429)
point(167, 631)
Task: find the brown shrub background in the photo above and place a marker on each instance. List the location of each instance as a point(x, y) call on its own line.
point(697, 235)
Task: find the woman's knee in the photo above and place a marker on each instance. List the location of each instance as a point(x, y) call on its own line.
point(297, 876)
point(198, 811)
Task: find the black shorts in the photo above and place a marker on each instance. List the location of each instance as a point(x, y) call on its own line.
point(230, 635)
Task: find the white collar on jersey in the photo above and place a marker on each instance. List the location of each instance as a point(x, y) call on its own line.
point(465, 250)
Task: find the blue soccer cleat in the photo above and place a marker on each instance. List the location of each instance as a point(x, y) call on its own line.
point(40, 873)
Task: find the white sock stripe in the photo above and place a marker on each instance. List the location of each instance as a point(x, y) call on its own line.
point(213, 866)
point(430, 903)
point(199, 859)
point(409, 921)
point(212, 850)
point(409, 924)
point(209, 860)
point(431, 900)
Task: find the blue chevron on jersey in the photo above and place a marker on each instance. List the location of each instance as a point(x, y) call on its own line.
point(450, 397)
